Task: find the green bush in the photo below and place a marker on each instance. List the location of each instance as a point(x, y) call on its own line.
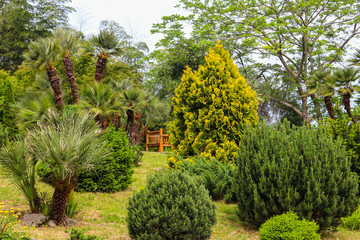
point(352, 222)
point(114, 173)
point(287, 226)
point(282, 168)
point(216, 176)
point(173, 205)
point(138, 150)
point(78, 234)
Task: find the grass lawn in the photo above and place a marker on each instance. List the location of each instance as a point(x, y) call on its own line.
point(104, 214)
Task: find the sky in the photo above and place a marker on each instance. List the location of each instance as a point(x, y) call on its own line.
point(136, 16)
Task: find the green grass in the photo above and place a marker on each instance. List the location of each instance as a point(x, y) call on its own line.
point(104, 214)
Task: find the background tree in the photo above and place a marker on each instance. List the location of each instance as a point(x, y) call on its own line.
point(211, 106)
point(302, 37)
point(42, 53)
point(23, 21)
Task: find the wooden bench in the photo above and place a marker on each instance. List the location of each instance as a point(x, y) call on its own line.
point(157, 139)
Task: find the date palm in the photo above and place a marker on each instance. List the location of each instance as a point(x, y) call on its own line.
point(68, 43)
point(42, 53)
point(66, 143)
point(346, 80)
point(323, 84)
point(105, 44)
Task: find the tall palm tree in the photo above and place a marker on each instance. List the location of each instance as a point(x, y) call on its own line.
point(101, 100)
point(66, 143)
point(68, 43)
point(323, 84)
point(42, 53)
point(345, 80)
point(104, 44)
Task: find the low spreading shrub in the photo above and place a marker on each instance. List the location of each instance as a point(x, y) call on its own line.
point(216, 176)
point(287, 226)
point(173, 205)
point(78, 234)
point(352, 222)
point(281, 169)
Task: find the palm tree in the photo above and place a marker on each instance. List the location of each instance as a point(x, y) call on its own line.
point(345, 79)
point(19, 166)
point(324, 84)
point(42, 53)
point(68, 43)
point(101, 100)
point(66, 143)
point(104, 44)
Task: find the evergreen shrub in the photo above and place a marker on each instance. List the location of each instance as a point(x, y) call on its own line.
point(216, 176)
point(211, 107)
point(287, 226)
point(281, 169)
point(173, 205)
point(114, 173)
point(352, 222)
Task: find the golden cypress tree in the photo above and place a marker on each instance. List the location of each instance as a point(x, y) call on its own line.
point(211, 107)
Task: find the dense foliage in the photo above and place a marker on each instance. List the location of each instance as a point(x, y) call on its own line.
point(173, 205)
point(114, 173)
point(287, 226)
point(282, 168)
point(216, 176)
point(211, 107)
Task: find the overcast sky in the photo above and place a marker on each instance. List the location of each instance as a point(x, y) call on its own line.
point(136, 16)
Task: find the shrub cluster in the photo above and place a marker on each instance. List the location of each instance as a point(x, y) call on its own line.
point(216, 176)
point(287, 226)
point(173, 205)
point(282, 169)
point(114, 173)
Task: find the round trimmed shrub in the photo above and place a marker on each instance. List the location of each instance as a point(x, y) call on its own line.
point(287, 226)
point(281, 169)
point(113, 174)
point(173, 205)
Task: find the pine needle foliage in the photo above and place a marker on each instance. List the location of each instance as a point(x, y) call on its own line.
point(173, 205)
point(211, 106)
point(294, 169)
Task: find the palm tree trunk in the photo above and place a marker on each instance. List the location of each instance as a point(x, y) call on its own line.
point(69, 70)
point(55, 83)
point(329, 106)
point(100, 66)
point(141, 135)
point(60, 199)
point(134, 127)
point(346, 102)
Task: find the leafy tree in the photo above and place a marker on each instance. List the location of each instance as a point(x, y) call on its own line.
point(66, 143)
point(302, 37)
point(7, 98)
point(211, 107)
point(42, 53)
point(23, 21)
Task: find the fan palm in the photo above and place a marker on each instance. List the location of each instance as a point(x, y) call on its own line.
point(101, 100)
point(68, 43)
point(42, 53)
point(345, 80)
point(323, 84)
point(66, 143)
point(19, 166)
point(104, 44)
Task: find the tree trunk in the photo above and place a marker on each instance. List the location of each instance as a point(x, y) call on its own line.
point(134, 127)
point(130, 119)
point(329, 106)
point(60, 198)
point(317, 107)
point(69, 70)
point(55, 83)
point(141, 135)
point(100, 67)
point(346, 102)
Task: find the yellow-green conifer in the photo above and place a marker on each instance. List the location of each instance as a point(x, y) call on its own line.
point(211, 106)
